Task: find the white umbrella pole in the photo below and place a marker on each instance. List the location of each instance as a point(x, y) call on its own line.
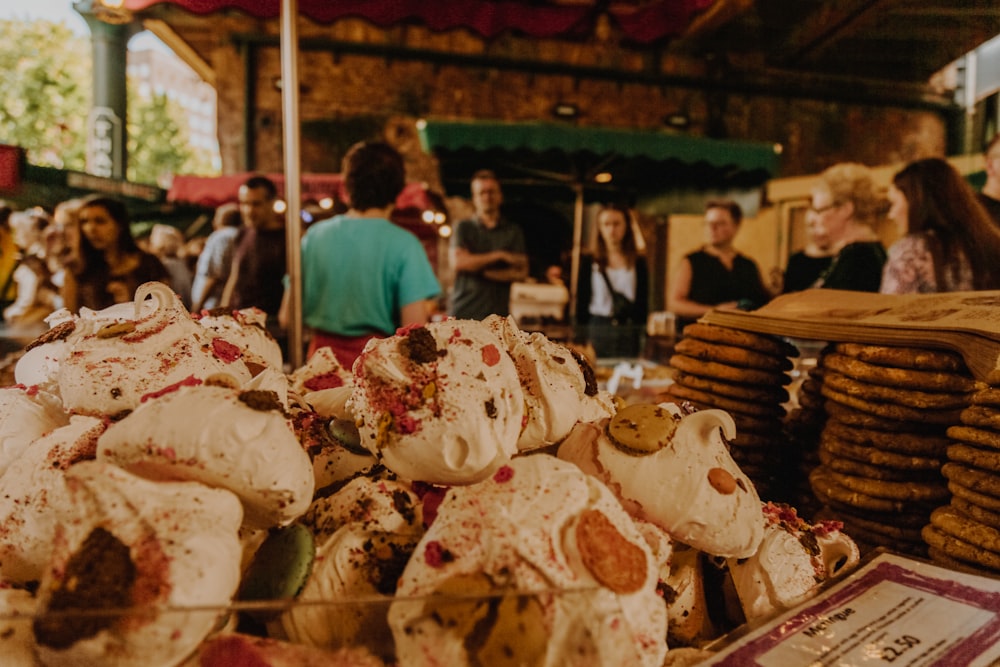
point(293, 186)
point(574, 271)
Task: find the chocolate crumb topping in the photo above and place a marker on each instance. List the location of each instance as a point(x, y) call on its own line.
point(809, 543)
point(491, 409)
point(261, 399)
point(59, 332)
point(421, 347)
point(98, 576)
point(390, 556)
point(403, 504)
point(589, 377)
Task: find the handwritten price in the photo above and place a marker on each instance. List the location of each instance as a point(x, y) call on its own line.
point(898, 647)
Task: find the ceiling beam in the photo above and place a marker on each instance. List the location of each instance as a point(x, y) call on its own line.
point(775, 82)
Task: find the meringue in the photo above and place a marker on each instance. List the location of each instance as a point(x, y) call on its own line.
point(440, 403)
point(675, 470)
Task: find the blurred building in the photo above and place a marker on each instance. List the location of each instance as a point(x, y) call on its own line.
point(157, 72)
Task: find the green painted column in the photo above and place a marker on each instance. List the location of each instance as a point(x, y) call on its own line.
point(107, 135)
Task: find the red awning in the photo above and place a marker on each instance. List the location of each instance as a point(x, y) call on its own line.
point(211, 191)
point(640, 22)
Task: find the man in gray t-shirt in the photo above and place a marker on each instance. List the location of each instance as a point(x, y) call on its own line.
point(487, 253)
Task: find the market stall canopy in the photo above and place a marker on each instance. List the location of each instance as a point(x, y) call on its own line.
point(211, 191)
point(600, 159)
point(642, 23)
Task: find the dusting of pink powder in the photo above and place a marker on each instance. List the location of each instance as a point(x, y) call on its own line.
point(189, 381)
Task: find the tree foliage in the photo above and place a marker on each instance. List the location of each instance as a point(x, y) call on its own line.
point(45, 91)
point(46, 85)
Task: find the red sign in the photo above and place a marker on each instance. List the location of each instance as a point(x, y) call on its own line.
point(11, 167)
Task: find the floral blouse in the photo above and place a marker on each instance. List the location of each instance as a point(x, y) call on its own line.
point(910, 270)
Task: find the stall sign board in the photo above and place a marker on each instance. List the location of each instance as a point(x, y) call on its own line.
point(891, 611)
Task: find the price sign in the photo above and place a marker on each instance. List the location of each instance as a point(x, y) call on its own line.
point(892, 611)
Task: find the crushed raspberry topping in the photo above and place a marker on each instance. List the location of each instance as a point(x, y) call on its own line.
point(325, 381)
point(226, 351)
point(503, 475)
point(403, 331)
point(491, 355)
point(827, 527)
point(407, 424)
point(436, 555)
point(189, 381)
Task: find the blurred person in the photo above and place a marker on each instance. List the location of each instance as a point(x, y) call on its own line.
point(949, 242)
point(806, 265)
point(36, 296)
point(258, 264)
point(167, 243)
point(216, 258)
point(488, 253)
point(363, 276)
point(989, 196)
point(9, 255)
point(717, 275)
point(613, 297)
point(63, 240)
point(844, 206)
point(113, 266)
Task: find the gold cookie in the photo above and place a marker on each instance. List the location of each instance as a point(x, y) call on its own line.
point(977, 436)
point(742, 392)
point(734, 356)
point(926, 445)
point(728, 373)
point(960, 549)
point(975, 456)
point(906, 491)
point(976, 513)
point(905, 357)
point(890, 411)
point(685, 393)
point(873, 456)
point(949, 520)
point(980, 481)
point(911, 398)
point(739, 338)
point(904, 378)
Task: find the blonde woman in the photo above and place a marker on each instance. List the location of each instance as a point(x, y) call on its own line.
point(844, 206)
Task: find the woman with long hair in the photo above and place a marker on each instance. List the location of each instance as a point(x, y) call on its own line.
point(612, 298)
point(112, 265)
point(949, 243)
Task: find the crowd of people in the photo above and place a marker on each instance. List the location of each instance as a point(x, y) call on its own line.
point(364, 277)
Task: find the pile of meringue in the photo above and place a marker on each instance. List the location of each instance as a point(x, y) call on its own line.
point(467, 479)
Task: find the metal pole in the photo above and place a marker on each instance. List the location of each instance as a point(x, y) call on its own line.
point(574, 271)
point(293, 185)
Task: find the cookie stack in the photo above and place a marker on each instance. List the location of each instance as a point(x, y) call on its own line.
point(803, 428)
point(965, 534)
point(745, 374)
point(884, 442)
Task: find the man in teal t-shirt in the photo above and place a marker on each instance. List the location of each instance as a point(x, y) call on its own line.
point(362, 275)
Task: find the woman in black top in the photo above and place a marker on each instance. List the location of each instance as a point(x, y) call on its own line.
point(844, 205)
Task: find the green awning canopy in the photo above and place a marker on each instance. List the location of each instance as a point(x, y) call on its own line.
point(640, 162)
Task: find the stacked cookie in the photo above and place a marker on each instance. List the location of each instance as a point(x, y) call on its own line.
point(803, 428)
point(884, 442)
point(965, 534)
point(745, 374)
